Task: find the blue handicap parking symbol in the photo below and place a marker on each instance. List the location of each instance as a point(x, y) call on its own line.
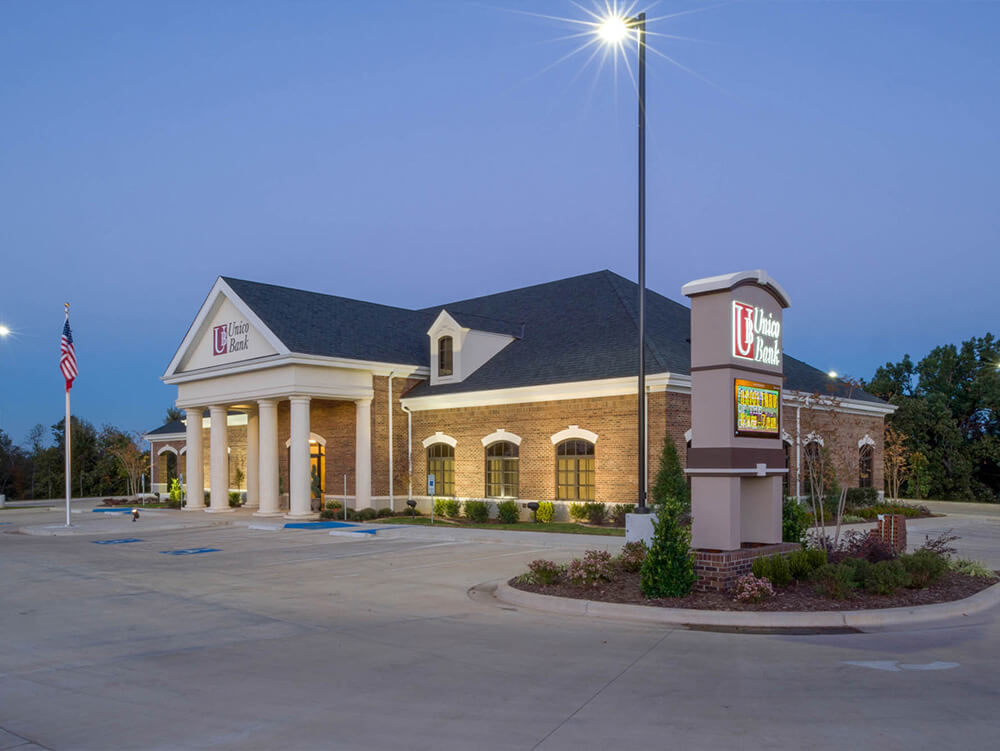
point(120, 541)
point(191, 551)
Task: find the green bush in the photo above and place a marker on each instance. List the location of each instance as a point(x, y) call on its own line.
point(971, 568)
point(453, 508)
point(329, 513)
point(508, 512)
point(774, 568)
point(175, 488)
point(885, 577)
point(817, 556)
point(545, 572)
point(668, 570)
point(382, 513)
point(801, 563)
point(860, 498)
point(477, 511)
point(923, 567)
point(860, 568)
point(577, 511)
point(671, 486)
point(795, 520)
point(366, 514)
point(234, 498)
point(834, 581)
point(334, 505)
point(546, 512)
point(618, 512)
point(597, 513)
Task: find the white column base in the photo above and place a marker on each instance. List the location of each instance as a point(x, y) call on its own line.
point(227, 510)
point(268, 513)
point(312, 516)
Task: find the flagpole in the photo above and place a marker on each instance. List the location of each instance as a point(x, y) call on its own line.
point(68, 432)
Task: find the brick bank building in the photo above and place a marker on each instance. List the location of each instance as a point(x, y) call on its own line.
point(528, 394)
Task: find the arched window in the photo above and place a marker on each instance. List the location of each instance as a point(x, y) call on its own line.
point(171, 473)
point(445, 356)
point(866, 461)
point(441, 464)
point(575, 471)
point(501, 470)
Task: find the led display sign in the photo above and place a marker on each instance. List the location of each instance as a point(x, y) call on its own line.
point(758, 409)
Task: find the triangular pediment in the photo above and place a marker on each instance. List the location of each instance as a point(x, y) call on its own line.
point(226, 331)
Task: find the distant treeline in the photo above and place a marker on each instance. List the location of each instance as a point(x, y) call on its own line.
point(108, 461)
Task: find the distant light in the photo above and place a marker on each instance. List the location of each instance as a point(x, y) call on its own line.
point(4, 331)
point(613, 29)
point(832, 374)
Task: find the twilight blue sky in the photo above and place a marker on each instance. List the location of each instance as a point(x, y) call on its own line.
point(412, 153)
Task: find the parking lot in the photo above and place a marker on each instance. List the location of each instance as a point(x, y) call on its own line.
point(301, 640)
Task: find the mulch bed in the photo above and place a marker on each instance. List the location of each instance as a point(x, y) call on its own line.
point(799, 596)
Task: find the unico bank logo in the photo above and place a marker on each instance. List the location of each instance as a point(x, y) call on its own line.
point(743, 334)
point(220, 340)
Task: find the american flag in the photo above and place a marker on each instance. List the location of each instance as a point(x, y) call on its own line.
point(67, 355)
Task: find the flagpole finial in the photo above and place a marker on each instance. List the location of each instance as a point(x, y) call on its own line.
point(67, 308)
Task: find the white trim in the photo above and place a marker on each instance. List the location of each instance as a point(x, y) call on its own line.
point(167, 450)
point(573, 431)
point(786, 436)
point(275, 361)
point(813, 437)
point(161, 437)
point(688, 434)
point(673, 382)
point(836, 403)
point(738, 471)
point(313, 438)
point(501, 435)
point(439, 437)
point(183, 451)
point(866, 441)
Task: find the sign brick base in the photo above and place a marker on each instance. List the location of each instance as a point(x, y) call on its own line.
point(718, 570)
point(892, 531)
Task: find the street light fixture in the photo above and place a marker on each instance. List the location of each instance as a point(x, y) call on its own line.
point(4, 331)
point(613, 30)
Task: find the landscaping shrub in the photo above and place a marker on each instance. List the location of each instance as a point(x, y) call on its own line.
point(382, 513)
point(801, 564)
point(577, 511)
point(885, 577)
point(545, 572)
point(971, 568)
point(668, 570)
point(329, 513)
point(234, 498)
point(175, 488)
point(774, 568)
point(453, 508)
point(941, 545)
point(618, 512)
point(817, 556)
point(351, 515)
point(477, 511)
point(597, 513)
point(439, 506)
point(860, 568)
point(750, 588)
point(795, 520)
point(508, 512)
point(867, 545)
point(924, 567)
point(906, 509)
point(593, 568)
point(860, 497)
point(334, 505)
point(366, 514)
point(546, 512)
point(834, 580)
point(632, 556)
point(671, 488)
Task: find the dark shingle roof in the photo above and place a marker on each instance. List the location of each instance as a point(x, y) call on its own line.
point(174, 426)
point(577, 329)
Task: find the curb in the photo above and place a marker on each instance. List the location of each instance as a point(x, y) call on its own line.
point(769, 621)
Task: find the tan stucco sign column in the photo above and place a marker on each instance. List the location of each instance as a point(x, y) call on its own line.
point(218, 460)
point(268, 483)
point(299, 481)
point(736, 461)
point(195, 470)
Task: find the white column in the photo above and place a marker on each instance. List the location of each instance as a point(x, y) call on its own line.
point(299, 481)
point(253, 452)
point(363, 453)
point(218, 460)
point(268, 482)
point(195, 472)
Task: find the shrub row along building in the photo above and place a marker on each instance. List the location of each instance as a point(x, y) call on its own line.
point(528, 394)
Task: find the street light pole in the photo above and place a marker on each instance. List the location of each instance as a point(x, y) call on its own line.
point(639, 23)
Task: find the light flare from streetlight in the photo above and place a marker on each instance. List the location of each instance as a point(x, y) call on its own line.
point(4, 331)
point(613, 29)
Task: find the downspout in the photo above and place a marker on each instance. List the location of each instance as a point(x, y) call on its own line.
point(409, 448)
point(391, 503)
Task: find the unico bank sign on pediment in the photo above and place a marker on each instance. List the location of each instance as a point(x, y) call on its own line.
point(225, 337)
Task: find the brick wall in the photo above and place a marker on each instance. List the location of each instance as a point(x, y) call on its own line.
point(841, 433)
